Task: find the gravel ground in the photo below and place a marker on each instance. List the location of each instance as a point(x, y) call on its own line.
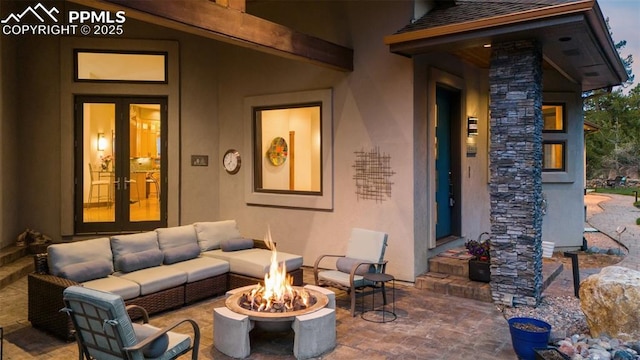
point(570, 332)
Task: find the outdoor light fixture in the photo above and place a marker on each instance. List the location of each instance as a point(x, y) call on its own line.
point(102, 142)
point(472, 126)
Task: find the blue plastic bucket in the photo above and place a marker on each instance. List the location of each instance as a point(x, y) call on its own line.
point(524, 341)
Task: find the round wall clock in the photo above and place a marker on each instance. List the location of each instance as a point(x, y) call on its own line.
point(277, 152)
point(231, 161)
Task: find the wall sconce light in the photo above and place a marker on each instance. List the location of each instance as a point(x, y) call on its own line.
point(102, 142)
point(472, 126)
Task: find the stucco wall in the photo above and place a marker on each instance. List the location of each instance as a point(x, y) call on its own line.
point(372, 106)
point(9, 145)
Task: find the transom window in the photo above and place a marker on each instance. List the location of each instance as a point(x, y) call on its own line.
point(111, 66)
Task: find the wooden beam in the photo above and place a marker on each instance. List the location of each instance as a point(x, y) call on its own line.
point(208, 19)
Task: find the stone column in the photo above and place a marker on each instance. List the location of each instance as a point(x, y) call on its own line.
point(515, 79)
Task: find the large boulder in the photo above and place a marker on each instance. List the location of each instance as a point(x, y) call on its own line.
point(610, 301)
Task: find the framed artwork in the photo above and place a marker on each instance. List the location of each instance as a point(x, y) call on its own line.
point(278, 151)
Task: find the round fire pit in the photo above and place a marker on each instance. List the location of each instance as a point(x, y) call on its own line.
point(233, 304)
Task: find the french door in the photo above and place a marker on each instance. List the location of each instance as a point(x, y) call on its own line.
point(120, 163)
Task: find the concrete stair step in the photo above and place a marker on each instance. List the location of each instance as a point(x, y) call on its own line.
point(15, 270)
point(15, 262)
point(455, 285)
point(449, 266)
point(450, 276)
point(12, 253)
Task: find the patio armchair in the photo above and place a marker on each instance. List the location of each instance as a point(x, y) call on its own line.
point(365, 253)
point(104, 330)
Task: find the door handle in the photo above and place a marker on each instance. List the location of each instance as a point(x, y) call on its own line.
point(116, 182)
point(126, 181)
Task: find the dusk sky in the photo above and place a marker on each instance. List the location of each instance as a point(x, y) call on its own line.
point(624, 19)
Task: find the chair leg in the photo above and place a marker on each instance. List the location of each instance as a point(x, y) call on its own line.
point(353, 302)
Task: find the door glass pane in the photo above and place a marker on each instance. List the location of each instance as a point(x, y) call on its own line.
point(98, 162)
point(144, 162)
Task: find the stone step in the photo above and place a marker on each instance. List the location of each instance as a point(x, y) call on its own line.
point(15, 270)
point(12, 253)
point(451, 277)
point(454, 285)
point(449, 266)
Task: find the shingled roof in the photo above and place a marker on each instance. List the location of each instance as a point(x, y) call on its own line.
point(473, 10)
point(573, 35)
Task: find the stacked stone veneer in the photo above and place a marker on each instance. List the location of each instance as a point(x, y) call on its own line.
point(515, 79)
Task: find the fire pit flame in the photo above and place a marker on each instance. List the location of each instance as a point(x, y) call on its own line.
point(277, 294)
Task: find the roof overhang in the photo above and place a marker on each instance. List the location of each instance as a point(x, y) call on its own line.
point(230, 24)
point(574, 37)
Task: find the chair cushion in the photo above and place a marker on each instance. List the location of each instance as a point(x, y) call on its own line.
point(88, 270)
point(127, 289)
point(139, 260)
point(211, 234)
point(341, 278)
point(236, 244)
point(366, 244)
point(61, 255)
point(181, 253)
point(345, 264)
point(158, 346)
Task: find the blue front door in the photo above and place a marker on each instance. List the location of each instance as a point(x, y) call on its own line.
point(444, 185)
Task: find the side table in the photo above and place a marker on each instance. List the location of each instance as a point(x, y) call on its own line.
point(380, 315)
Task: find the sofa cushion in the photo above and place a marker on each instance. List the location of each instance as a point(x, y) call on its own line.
point(176, 236)
point(122, 245)
point(181, 253)
point(254, 262)
point(126, 288)
point(236, 244)
point(156, 279)
point(211, 234)
point(139, 260)
point(345, 264)
point(61, 255)
point(201, 268)
point(157, 347)
point(88, 270)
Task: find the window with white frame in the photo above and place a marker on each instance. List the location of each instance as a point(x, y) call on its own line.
point(290, 153)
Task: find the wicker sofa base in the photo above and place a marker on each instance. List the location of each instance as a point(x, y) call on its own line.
point(45, 300)
point(207, 288)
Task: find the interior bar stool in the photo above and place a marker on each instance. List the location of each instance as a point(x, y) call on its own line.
point(380, 315)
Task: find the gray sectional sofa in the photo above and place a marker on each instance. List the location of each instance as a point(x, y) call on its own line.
point(158, 270)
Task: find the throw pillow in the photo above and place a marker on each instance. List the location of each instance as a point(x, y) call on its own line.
point(140, 260)
point(157, 347)
point(236, 244)
point(344, 264)
point(88, 270)
point(181, 253)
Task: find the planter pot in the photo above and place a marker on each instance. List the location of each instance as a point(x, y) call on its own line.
point(479, 270)
point(550, 354)
point(528, 334)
